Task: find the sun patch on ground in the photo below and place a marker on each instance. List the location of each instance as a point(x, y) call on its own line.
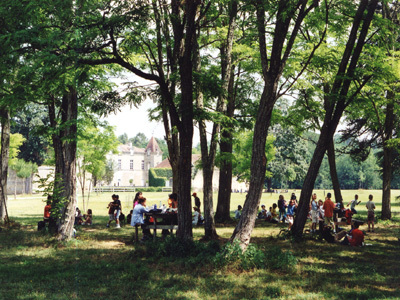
point(109, 244)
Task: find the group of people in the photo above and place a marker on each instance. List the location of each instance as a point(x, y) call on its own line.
point(85, 219)
point(138, 217)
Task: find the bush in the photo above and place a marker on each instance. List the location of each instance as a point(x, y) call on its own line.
point(255, 258)
point(192, 252)
point(158, 177)
point(150, 189)
point(278, 259)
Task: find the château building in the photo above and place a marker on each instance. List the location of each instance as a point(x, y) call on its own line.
point(132, 164)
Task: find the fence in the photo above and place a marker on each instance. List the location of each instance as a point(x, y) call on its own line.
point(103, 189)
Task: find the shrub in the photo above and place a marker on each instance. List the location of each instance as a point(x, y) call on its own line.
point(255, 258)
point(192, 252)
point(158, 177)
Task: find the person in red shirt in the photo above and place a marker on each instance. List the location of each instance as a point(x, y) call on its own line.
point(328, 208)
point(47, 209)
point(356, 237)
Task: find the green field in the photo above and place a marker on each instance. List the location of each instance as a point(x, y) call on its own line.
point(104, 263)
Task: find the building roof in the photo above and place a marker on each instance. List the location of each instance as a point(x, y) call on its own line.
point(165, 163)
point(153, 146)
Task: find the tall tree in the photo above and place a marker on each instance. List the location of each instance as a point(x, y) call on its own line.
point(338, 101)
point(167, 60)
point(288, 17)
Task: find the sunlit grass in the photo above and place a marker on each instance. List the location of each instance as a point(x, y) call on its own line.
point(102, 263)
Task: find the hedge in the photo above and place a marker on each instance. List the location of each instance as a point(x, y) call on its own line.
point(158, 177)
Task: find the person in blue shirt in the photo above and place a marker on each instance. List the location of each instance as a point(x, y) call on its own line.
point(137, 217)
point(290, 213)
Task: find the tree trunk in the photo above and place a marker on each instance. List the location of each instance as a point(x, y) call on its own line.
point(335, 106)
point(64, 143)
point(226, 128)
point(246, 222)
point(387, 158)
point(186, 127)
point(207, 157)
point(308, 184)
point(225, 178)
point(4, 155)
point(333, 172)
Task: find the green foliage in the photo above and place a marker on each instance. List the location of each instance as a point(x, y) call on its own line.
point(158, 176)
point(51, 185)
point(254, 258)
point(16, 141)
point(242, 154)
point(193, 252)
point(24, 169)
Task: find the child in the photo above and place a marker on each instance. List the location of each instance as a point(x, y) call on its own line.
point(290, 213)
point(88, 217)
point(263, 213)
point(314, 213)
point(237, 212)
point(371, 214)
point(129, 217)
point(196, 216)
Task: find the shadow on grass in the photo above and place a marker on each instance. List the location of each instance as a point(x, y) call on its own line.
point(36, 267)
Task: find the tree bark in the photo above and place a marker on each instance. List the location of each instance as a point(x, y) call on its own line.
point(333, 172)
point(386, 213)
point(4, 156)
point(186, 125)
point(64, 142)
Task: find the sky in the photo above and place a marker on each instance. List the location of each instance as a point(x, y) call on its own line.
point(132, 120)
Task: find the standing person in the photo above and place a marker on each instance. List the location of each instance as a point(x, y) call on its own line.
point(137, 217)
point(196, 216)
point(371, 214)
point(314, 212)
point(337, 213)
point(290, 213)
point(197, 202)
point(118, 210)
point(137, 197)
point(321, 216)
point(328, 208)
point(353, 204)
point(282, 208)
point(111, 210)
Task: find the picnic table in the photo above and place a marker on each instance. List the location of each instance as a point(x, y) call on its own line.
point(166, 221)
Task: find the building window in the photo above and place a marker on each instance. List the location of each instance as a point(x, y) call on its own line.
point(142, 164)
point(119, 164)
point(131, 164)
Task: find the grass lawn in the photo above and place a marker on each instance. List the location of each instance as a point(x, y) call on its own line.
point(103, 263)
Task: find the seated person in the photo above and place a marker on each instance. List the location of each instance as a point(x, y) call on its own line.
point(88, 217)
point(263, 213)
point(129, 217)
point(78, 217)
point(237, 212)
point(47, 210)
point(173, 200)
point(137, 217)
point(354, 238)
point(273, 211)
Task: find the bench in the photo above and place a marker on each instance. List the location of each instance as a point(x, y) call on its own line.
point(167, 223)
point(154, 228)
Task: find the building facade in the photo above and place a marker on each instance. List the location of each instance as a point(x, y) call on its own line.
point(132, 164)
